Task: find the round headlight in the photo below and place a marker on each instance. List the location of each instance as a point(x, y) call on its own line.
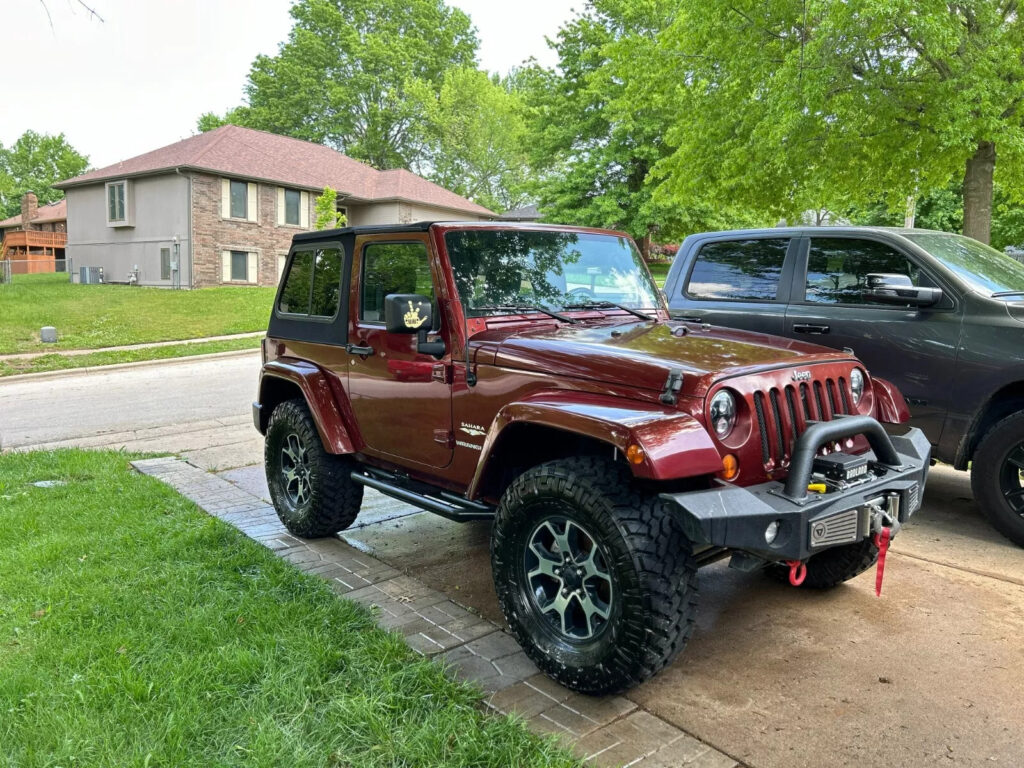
point(857, 385)
point(723, 413)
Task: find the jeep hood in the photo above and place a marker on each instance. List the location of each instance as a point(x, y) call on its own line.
point(641, 354)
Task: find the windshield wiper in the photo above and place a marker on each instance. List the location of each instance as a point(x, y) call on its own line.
point(1007, 293)
point(525, 308)
point(608, 305)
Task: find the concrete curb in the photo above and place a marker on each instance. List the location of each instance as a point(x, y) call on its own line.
point(93, 369)
point(130, 347)
point(608, 731)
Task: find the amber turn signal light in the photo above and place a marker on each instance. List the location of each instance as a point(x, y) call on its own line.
point(635, 454)
point(730, 466)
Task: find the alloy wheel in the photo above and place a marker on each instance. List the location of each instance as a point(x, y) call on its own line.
point(1011, 479)
point(295, 470)
point(567, 579)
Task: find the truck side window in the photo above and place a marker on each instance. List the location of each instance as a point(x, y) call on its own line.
point(837, 269)
point(393, 268)
point(313, 283)
point(747, 270)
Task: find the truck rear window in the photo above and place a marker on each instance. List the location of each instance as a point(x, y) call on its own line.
point(738, 270)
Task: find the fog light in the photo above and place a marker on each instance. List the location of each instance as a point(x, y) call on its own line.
point(772, 531)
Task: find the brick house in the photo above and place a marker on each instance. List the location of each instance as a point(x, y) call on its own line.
point(222, 207)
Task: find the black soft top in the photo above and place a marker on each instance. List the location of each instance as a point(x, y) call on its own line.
point(374, 229)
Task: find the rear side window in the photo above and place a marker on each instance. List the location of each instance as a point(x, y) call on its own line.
point(313, 283)
point(393, 268)
point(738, 270)
point(837, 269)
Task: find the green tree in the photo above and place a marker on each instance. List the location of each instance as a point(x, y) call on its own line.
point(32, 164)
point(475, 136)
point(343, 76)
point(789, 105)
point(325, 211)
point(596, 129)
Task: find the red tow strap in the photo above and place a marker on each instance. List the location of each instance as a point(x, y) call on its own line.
point(882, 542)
point(797, 572)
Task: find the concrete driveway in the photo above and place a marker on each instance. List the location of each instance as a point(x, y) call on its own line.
point(930, 673)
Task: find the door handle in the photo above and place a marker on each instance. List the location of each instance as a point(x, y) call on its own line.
point(810, 328)
point(355, 349)
point(689, 318)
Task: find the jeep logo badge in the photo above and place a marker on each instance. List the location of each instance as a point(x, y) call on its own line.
point(801, 375)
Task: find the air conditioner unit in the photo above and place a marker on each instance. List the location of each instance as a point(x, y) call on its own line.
point(90, 275)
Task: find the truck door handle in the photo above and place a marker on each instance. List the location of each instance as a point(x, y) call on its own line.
point(689, 318)
point(355, 349)
point(810, 328)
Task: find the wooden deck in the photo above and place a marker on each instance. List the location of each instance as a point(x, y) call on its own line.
point(33, 251)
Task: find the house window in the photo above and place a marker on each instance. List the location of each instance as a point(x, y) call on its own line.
point(239, 200)
point(292, 207)
point(165, 263)
point(239, 266)
point(117, 203)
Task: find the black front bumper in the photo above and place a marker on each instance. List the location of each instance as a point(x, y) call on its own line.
point(737, 518)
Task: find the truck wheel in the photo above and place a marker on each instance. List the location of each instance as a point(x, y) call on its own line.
point(595, 578)
point(833, 566)
point(997, 477)
point(312, 490)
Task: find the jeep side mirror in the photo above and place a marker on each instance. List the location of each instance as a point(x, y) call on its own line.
point(412, 313)
point(899, 289)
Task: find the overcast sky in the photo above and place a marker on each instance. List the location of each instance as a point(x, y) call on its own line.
point(139, 79)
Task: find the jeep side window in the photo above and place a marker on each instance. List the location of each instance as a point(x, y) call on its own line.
point(738, 270)
point(313, 283)
point(393, 268)
point(837, 269)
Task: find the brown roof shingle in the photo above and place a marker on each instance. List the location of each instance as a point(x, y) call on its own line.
point(235, 151)
point(44, 213)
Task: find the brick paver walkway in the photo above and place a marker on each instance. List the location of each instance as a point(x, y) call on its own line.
point(609, 731)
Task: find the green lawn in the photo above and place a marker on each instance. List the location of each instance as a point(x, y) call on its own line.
point(137, 631)
point(92, 316)
point(58, 362)
point(660, 271)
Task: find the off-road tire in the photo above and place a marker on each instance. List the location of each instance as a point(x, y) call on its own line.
point(833, 566)
point(987, 466)
point(334, 498)
point(649, 561)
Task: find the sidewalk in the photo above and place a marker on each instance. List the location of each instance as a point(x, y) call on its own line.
point(126, 347)
point(609, 731)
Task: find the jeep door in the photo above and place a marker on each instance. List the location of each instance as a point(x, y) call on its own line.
point(736, 283)
point(401, 399)
point(916, 349)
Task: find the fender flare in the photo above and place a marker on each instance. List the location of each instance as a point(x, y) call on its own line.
point(675, 444)
point(332, 421)
point(890, 407)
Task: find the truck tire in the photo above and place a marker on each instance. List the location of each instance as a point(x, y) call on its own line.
point(833, 566)
point(997, 477)
point(312, 490)
point(596, 578)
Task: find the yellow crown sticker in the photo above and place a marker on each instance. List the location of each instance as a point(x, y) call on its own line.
point(413, 319)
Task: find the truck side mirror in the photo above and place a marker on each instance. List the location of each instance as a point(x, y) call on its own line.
point(899, 289)
point(412, 313)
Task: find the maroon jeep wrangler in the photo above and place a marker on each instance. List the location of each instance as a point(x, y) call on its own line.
point(531, 375)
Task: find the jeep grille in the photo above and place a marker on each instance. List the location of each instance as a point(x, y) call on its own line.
point(782, 415)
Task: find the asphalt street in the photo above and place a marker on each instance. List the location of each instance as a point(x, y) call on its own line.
point(930, 673)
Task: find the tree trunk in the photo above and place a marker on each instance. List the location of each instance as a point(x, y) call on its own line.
point(978, 192)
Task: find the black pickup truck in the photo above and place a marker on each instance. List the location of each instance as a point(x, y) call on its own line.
point(938, 314)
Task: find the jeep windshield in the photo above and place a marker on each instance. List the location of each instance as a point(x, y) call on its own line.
point(983, 268)
point(499, 270)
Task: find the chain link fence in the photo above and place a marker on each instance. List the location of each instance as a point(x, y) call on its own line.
point(26, 271)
